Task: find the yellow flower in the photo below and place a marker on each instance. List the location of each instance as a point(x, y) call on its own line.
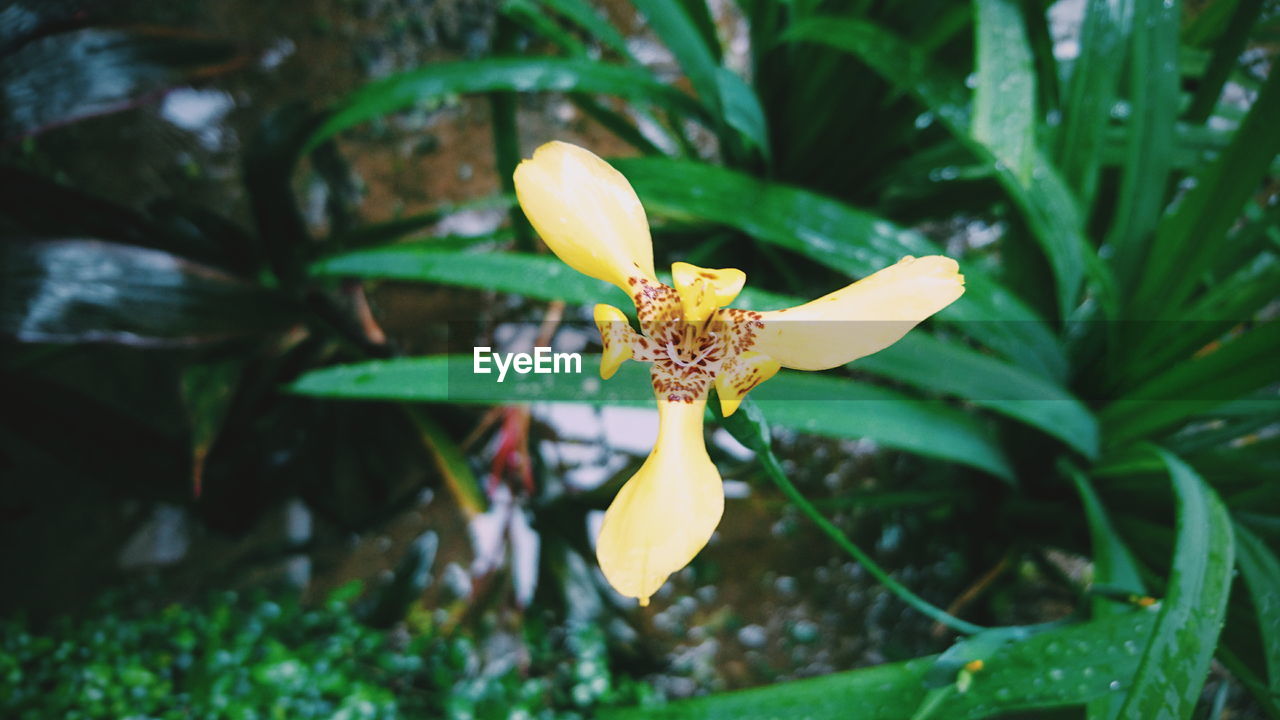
point(589, 216)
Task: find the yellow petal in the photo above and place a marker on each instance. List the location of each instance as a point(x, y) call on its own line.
point(863, 318)
point(703, 290)
point(616, 335)
point(665, 513)
point(740, 375)
point(586, 212)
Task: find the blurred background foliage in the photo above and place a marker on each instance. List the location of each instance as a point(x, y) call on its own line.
point(251, 337)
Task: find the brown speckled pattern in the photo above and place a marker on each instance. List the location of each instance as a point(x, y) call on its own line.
point(686, 356)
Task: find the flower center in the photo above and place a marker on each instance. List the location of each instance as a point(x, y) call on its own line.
point(687, 356)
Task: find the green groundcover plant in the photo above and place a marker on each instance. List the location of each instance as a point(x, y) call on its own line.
point(262, 656)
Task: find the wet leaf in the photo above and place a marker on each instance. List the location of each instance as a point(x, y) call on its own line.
point(77, 290)
point(1261, 571)
point(436, 82)
point(1174, 664)
point(852, 241)
point(1067, 666)
point(801, 401)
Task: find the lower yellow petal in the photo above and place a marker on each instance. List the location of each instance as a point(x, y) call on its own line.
point(740, 376)
point(616, 336)
point(863, 318)
point(665, 513)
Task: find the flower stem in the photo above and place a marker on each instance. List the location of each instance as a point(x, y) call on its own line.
point(779, 477)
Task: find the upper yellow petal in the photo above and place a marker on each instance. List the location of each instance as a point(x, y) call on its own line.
point(704, 290)
point(667, 511)
point(862, 318)
point(586, 212)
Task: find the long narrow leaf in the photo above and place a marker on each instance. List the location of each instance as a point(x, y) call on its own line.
point(1237, 368)
point(78, 290)
point(1226, 53)
point(1113, 563)
point(843, 238)
point(1176, 661)
point(1261, 571)
point(1004, 100)
point(1153, 87)
point(1192, 235)
point(678, 31)
point(435, 82)
point(933, 365)
point(1042, 196)
point(1068, 666)
point(917, 359)
point(800, 401)
point(580, 13)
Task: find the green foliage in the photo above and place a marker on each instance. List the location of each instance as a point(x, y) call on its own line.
point(1124, 304)
point(1122, 312)
point(263, 656)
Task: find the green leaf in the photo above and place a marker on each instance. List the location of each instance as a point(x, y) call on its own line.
point(1042, 196)
point(1062, 667)
point(733, 103)
point(804, 402)
point(542, 277)
point(434, 83)
point(825, 405)
point(450, 461)
point(884, 692)
point(678, 31)
point(742, 110)
point(843, 238)
point(1176, 661)
point(1190, 237)
point(1231, 371)
point(1113, 564)
point(1113, 568)
point(207, 391)
point(1226, 53)
point(75, 291)
point(916, 359)
point(1153, 107)
point(1261, 570)
point(1004, 101)
point(269, 162)
point(586, 17)
point(950, 368)
point(533, 17)
point(1210, 317)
